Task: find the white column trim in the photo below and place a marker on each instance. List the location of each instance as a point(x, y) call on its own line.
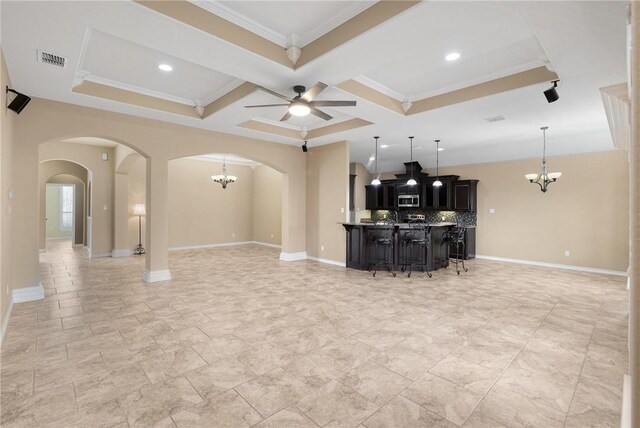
point(156, 275)
point(625, 416)
point(554, 265)
point(28, 294)
point(5, 321)
point(289, 257)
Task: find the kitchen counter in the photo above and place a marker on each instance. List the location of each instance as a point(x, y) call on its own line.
point(359, 251)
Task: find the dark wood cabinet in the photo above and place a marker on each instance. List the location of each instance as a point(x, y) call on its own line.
point(382, 196)
point(439, 198)
point(469, 250)
point(359, 249)
point(465, 195)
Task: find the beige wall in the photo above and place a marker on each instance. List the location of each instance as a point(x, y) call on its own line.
point(137, 195)
point(586, 212)
point(327, 200)
point(101, 178)
point(201, 212)
point(267, 205)
point(7, 125)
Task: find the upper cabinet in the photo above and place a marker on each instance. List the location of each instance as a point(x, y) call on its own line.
point(382, 197)
point(464, 195)
point(441, 197)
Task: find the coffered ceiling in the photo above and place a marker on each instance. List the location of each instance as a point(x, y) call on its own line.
point(389, 56)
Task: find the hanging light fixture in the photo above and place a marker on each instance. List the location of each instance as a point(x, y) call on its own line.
point(543, 179)
point(411, 181)
point(376, 178)
point(437, 183)
point(224, 179)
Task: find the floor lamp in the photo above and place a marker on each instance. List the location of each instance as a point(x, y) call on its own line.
point(138, 209)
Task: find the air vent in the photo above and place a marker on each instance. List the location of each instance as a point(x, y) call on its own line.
point(495, 119)
point(52, 59)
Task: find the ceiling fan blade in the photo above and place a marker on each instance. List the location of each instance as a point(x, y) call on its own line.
point(266, 105)
point(332, 103)
point(274, 93)
point(313, 91)
point(286, 116)
point(320, 114)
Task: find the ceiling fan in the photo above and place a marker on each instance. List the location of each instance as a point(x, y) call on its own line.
point(303, 104)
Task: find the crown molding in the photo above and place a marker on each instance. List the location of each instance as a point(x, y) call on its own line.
point(131, 88)
point(379, 87)
point(335, 21)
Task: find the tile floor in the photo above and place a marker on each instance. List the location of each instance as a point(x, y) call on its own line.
point(241, 339)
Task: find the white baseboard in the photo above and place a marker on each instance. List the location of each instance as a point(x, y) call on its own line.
point(60, 238)
point(121, 253)
point(554, 265)
point(289, 257)
point(99, 255)
point(28, 294)
point(156, 275)
point(78, 245)
point(5, 321)
point(222, 244)
point(327, 261)
point(266, 244)
point(625, 417)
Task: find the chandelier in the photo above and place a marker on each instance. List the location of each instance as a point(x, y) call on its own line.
point(224, 179)
point(543, 179)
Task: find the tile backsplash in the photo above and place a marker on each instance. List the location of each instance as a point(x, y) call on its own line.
point(464, 218)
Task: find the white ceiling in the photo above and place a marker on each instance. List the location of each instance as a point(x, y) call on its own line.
point(122, 42)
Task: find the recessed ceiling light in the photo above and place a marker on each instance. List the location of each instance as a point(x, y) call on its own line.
point(384, 146)
point(165, 67)
point(452, 56)
point(440, 149)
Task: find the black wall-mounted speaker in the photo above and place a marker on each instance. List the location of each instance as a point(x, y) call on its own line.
point(551, 94)
point(19, 102)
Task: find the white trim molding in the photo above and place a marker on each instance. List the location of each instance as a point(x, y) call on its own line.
point(554, 265)
point(224, 244)
point(28, 294)
point(121, 253)
point(289, 257)
point(156, 275)
point(5, 322)
point(625, 417)
point(327, 261)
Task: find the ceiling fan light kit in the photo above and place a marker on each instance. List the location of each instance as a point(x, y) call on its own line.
point(303, 104)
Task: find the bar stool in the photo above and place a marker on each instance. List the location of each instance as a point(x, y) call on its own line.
point(381, 248)
point(416, 239)
point(456, 237)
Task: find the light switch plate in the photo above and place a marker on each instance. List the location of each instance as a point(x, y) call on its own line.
point(492, 210)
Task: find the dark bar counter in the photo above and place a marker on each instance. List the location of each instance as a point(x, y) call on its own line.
point(359, 250)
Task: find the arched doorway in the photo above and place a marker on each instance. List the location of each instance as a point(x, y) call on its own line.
point(63, 207)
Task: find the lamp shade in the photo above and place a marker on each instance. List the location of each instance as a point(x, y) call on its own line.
point(138, 209)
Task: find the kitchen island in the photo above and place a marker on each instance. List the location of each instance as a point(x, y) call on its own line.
point(359, 249)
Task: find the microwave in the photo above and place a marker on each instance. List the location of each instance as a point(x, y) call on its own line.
point(405, 201)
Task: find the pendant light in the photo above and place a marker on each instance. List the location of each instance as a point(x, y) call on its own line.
point(543, 179)
point(376, 178)
point(411, 181)
point(437, 183)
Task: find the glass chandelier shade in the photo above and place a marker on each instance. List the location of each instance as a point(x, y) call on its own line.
point(437, 183)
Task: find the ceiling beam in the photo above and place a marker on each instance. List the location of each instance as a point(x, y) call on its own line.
point(229, 98)
point(259, 126)
point(492, 87)
point(359, 24)
point(363, 91)
point(134, 98)
point(337, 127)
point(210, 23)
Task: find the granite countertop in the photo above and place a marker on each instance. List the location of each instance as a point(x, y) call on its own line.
point(405, 225)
